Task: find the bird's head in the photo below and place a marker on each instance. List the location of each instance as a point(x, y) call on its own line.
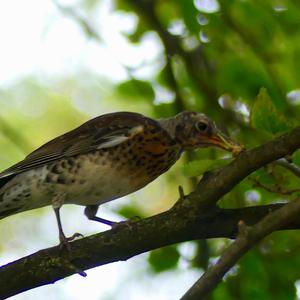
point(195, 130)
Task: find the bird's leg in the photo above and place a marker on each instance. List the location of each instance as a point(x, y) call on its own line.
point(91, 210)
point(57, 203)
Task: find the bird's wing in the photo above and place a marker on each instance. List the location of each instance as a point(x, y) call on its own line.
point(102, 132)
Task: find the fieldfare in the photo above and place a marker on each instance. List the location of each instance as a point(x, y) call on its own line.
point(106, 158)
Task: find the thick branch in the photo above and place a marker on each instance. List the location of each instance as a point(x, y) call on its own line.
point(246, 239)
point(188, 220)
point(49, 265)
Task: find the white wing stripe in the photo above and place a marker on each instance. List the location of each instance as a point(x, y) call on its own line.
point(118, 139)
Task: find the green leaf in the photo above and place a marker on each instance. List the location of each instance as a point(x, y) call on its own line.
point(139, 32)
point(266, 117)
point(189, 15)
point(164, 110)
point(296, 157)
point(198, 167)
point(163, 259)
point(134, 89)
point(129, 211)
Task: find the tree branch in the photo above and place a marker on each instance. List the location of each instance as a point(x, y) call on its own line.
point(289, 166)
point(194, 216)
point(193, 61)
point(50, 265)
point(276, 189)
point(83, 22)
point(248, 236)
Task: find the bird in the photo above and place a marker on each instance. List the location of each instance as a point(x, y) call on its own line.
point(105, 158)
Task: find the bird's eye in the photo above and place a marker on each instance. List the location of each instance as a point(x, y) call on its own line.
point(201, 126)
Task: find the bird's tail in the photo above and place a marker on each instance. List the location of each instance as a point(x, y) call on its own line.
point(5, 209)
point(8, 212)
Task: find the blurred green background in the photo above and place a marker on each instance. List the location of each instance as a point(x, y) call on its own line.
point(64, 62)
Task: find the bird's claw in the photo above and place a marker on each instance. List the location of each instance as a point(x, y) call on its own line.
point(65, 241)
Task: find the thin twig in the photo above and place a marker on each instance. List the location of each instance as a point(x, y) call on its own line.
point(248, 236)
point(278, 189)
point(289, 166)
point(83, 22)
point(181, 192)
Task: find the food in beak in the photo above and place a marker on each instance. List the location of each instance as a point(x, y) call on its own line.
point(224, 142)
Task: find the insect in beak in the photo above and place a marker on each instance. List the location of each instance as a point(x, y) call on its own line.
point(219, 139)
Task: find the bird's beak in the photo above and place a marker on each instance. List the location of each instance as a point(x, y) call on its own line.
point(219, 139)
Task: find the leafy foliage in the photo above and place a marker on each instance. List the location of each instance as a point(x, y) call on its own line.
point(266, 117)
point(136, 90)
point(238, 62)
point(198, 167)
point(163, 259)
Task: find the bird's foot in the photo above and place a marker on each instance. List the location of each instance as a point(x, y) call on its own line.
point(65, 241)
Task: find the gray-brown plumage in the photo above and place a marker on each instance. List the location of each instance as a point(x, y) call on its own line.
point(104, 159)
